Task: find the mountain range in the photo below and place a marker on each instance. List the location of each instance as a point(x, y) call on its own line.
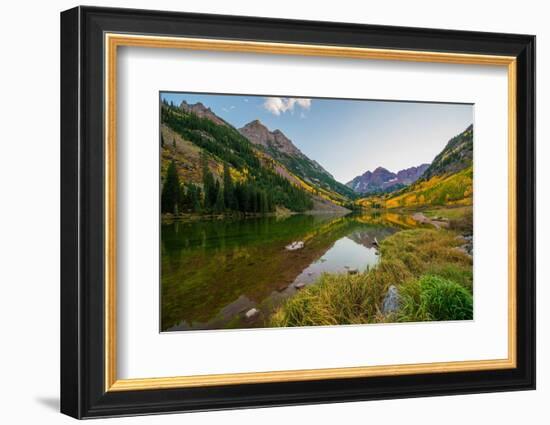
point(455, 156)
point(381, 180)
point(448, 180)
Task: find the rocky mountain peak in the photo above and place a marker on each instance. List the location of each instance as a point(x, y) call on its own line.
point(280, 147)
point(255, 123)
point(383, 180)
point(411, 174)
point(259, 134)
point(202, 112)
point(383, 173)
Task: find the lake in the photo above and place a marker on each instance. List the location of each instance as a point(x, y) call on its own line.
point(214, 271)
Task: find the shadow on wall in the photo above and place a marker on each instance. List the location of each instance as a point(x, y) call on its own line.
point(49, 402)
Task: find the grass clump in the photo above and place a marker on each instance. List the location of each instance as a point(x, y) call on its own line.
point(435, 298)
point(407, 257)
point(334, 300)
point(464, 276)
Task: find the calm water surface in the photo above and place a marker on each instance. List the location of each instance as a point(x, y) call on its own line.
point(213, 272)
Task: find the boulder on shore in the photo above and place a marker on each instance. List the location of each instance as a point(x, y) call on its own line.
point(468, 244)
point(299, 285)
point(391, 301)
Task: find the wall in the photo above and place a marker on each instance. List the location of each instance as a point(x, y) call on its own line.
point(29, 224)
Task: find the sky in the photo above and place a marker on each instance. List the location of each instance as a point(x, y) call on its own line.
point(347, 137)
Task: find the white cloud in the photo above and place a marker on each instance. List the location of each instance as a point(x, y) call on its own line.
point(280, 105)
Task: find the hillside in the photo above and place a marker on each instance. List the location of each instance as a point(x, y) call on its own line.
point(457, 155)
point(381, 180)
point(279, 147)
point(449, 189)
point(217, 169)
point(447, 181)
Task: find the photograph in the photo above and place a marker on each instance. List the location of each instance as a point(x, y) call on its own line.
point(281, 211)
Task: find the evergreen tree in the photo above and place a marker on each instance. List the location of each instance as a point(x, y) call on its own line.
point(253, 200)
point(228, 191)
point(170, 190)
point(209, 185)
point(259, 202)
point(263, 202)
point(183, 204)
point(219, 206)
point(215, 192)
point(246, 198)
point(239, 197)
point(270, 205)
point(197, 200)
point(161, 140)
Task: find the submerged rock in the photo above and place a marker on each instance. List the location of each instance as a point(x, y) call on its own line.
point(295, 245)
point(391, 301)
point(253, 312)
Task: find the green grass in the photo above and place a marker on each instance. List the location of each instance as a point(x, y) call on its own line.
point(412, 260)
point(435, 298)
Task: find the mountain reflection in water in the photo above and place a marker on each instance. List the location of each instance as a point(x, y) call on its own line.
point(213, 272)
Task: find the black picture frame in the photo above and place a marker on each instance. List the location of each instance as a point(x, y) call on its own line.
point(83, 392)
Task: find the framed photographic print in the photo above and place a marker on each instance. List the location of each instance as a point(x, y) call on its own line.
point(261, 212)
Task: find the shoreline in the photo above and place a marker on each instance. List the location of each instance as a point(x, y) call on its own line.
point(170, 218)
